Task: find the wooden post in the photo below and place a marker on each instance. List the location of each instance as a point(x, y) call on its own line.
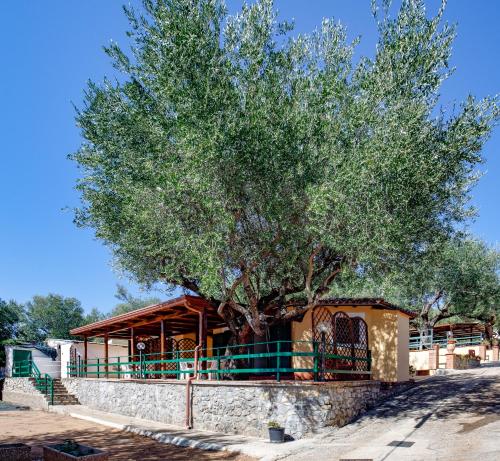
point(85, 354)
point(106, 354)
point(162, 345)
point(132, 349)
point(203, 337)
point(202, 332)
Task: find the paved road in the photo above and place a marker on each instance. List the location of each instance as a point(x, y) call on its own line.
point(454, 417)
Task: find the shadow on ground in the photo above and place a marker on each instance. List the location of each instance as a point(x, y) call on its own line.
point(28, 427)
point(444, 397)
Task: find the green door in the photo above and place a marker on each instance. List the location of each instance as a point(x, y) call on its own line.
point(22, 363)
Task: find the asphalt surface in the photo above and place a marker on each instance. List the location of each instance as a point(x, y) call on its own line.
point(454, 417)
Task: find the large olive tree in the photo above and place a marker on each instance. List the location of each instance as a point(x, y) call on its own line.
point(250, 165)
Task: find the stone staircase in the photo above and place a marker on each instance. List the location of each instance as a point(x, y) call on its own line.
point(61, 395)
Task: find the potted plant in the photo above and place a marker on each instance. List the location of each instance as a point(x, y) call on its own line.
point(413, 371)
point(276, 432)
point(70, 449)
point(450, 347)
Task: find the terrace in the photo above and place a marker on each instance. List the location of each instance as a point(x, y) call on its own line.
point(185, 338)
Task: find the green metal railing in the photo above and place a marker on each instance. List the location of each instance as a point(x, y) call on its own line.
point(273, 358)
point(460, 341)
point(28, 369)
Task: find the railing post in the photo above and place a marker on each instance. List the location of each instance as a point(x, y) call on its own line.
point(98, 371)
point(177, 364)
point(119, 368)
point(218, 364)
point(144, 369)
point(52, 392)
point(315, 357)
point(278, 361)
point(248, 356)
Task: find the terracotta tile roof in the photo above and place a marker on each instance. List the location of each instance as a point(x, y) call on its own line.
point(375, 303)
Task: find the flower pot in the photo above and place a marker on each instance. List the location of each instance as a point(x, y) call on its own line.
point(54, 453)
point(450, 347)
point(15, 452)
point(276, 434)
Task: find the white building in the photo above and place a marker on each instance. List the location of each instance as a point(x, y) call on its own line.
point(55, 355)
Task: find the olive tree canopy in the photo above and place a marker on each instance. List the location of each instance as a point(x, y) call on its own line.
point(249, 165)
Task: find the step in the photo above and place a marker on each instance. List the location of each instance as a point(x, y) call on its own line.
point(61, 396)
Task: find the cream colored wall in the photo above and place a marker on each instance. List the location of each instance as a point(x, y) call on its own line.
point(419, 360)
point(302, 331)
point(403, 338)
point(388, 337)
point(94, 351)
point(383, 330)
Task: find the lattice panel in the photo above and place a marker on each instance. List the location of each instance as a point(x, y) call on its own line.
point(322, 325)
point(360, 329)
point(324, 338)
point(170, 347)
point(186, 348)
point(339, 334)
point(343, 342)
point(153, 348)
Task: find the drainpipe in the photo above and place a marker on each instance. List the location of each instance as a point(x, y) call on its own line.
point(197, 349)
point(189, 416)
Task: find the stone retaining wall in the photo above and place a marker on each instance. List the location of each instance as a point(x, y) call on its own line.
point(22, 392)
point(232, 407)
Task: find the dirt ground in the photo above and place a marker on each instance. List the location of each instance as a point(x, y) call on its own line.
point(37, 428)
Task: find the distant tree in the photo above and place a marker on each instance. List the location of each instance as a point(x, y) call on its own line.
point(129, 302)
point(251, 166)
point(457, 278)
point(11, 315)
point(52, 316)
point(95, 315)
point(460, 279)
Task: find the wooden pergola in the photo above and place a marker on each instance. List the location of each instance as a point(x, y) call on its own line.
point(186, 314)
point(459, 329)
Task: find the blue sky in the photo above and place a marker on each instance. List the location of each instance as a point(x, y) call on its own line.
point(49, 50)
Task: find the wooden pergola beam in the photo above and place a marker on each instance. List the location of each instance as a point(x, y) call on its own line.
point(177, 316)
point(85, 354)
point(173, 320)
